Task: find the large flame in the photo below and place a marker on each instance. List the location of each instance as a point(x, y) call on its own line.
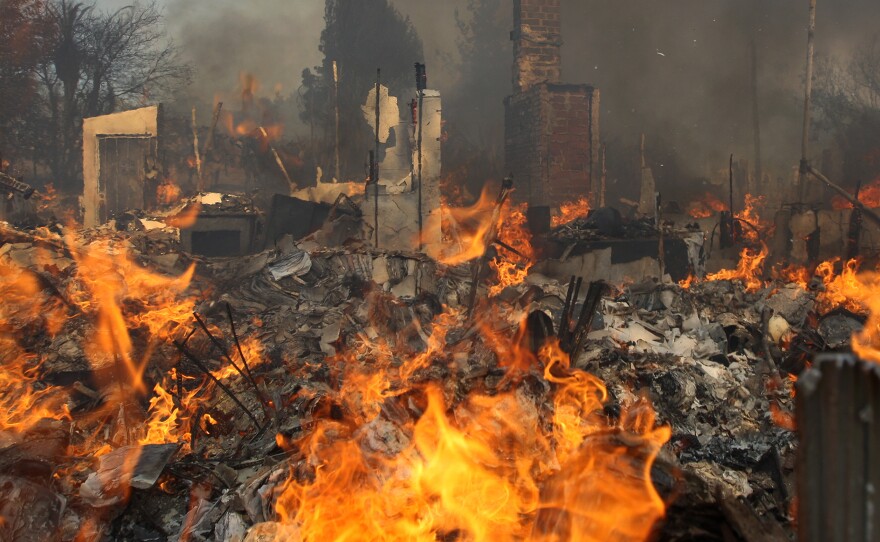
point(489, 468)
point(129, 309)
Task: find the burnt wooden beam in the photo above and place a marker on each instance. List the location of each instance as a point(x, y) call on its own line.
point(838, 402)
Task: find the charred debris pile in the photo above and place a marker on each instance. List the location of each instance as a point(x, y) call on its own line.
point(317, 389)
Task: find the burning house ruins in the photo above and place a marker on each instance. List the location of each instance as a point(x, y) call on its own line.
point(219, 337)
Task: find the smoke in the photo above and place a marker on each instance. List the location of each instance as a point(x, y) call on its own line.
point(274, 40)
point(679, 71)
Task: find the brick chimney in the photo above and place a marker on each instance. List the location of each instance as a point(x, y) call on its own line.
point(537, 43)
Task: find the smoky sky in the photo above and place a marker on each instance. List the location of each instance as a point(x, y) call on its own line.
point(678, 70)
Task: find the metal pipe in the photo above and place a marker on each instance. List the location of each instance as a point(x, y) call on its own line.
point(336, 107)
point(421, 85)
point(376, 158)
point(808, 96)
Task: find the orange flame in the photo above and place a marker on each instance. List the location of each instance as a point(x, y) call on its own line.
point(168, 192)
point(571, 210)
point(489, 469)
point(469, 227)
point(753, 226)
point(115, 296)
point(185, 218)
point(748, 271)
point(869, 196)
point(473, 229)
point(840, 289)
point(511, 269)
point(706, 206)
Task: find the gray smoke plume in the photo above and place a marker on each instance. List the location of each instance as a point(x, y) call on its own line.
point(677, 70)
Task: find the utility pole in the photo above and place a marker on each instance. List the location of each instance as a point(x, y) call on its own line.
point(375, 173)
point(603, 188)
point(421, 85)
point(336, 107)
point(808, 97)
point(756, 117)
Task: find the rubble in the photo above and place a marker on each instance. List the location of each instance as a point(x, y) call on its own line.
point(280, 340)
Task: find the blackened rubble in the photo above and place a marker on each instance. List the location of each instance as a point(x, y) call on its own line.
point(697, 354)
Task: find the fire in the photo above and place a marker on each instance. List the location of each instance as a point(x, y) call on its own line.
point(750, 220)
point(688, 282)
point(469, 228)
point(864, 288)
point(127, 310)
point(748, 271)
point(488, 468)
point(511, 269)
point(47, 199)
point(473, 229)
point(794, 274)
point(572, 210)
point(168, 192)
point(186, 218)
point(869, 196)
point(163, 422)
point(706, 206)
point(252, 349)
point(22, 403)
point(840, 289)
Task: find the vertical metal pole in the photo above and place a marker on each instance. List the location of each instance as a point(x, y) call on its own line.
point(336, 107)
point(604, 183)
point(756, 116)
point(732, 216)
point(376, 158)
point(421, 84)
point(730, 180)
point(808, 97)
point(373, 182)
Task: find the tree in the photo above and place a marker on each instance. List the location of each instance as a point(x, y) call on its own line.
point(99, 63)
point(23, 45)
point(847, 99)
point(360, 36)
point(475, 118)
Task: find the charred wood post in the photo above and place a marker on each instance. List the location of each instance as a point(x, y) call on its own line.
point(584, 324)
point(661, 242)
point(278, 160)
point(838, 402)
point(196, 153)
point(209, 144)
point(854, 234)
